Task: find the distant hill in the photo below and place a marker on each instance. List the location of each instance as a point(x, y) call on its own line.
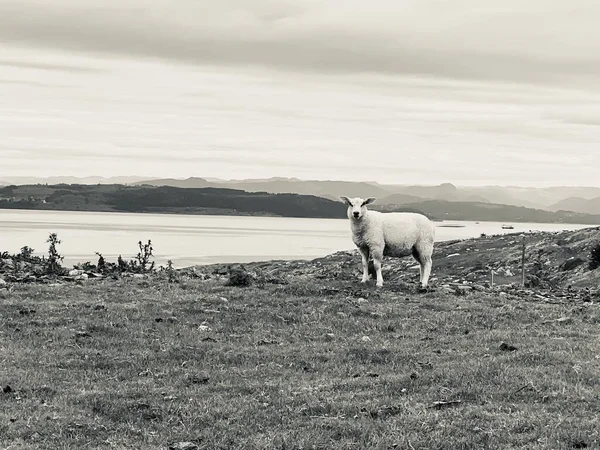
point(70, 180)
point(444, 191)
point(399, 199)
point(578, 204)
point(444, 210)
point(551, 198)
point(193, 182)
point(224, 201)
point(532, 197)
point(167, 199)
point(327, 189)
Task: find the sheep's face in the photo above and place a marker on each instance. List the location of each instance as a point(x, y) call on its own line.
point(357, 207)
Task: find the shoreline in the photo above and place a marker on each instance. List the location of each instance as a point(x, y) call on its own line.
point(271, 216)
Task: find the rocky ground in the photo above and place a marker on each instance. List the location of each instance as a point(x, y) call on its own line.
point(556, 267)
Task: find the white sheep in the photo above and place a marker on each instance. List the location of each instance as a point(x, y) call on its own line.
point(391, 234)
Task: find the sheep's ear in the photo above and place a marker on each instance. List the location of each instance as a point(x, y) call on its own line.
point(369, 201)
point(346, 200)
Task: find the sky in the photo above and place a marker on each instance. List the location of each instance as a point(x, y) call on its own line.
point(396, 91)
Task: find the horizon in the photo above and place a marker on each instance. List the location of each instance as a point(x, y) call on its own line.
point(420, 92)
point(140, 178)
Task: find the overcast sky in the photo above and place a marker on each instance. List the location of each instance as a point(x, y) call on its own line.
point(396, 91)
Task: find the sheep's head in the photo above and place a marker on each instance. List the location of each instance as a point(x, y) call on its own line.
point(357, 207)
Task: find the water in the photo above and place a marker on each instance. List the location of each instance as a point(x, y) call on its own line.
point(191, 240)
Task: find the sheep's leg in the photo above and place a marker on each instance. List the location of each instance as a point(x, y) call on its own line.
point(417, 256)
point(426, 271)
point(377, 257)
point(364, 253)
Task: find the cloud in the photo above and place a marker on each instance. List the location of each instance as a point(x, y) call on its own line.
point(537, 40)
point(46, 66)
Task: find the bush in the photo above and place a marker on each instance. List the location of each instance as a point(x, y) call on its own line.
point(144, 255)
point(101, 263)
point(53, 265)
point(595, 257)
point(238, 276)
point(171, 273)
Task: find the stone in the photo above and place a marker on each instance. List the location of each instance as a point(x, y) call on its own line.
point(571, 263)
point(183, 446)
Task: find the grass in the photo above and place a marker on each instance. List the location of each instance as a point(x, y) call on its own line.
point(314, 364)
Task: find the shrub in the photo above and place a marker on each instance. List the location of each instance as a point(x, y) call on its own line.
point(53, 265)
point(122, 264)
point(144, 255)
point(171, 274)
point(26, 253)
point(101, 263)
point(595, 257)
point(238, 276)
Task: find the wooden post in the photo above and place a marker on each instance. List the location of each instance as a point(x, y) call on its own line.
point(523, 262)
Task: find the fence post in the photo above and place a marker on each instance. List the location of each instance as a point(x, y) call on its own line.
point(523, 263)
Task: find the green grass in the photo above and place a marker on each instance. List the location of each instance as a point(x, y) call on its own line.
point(144, 363)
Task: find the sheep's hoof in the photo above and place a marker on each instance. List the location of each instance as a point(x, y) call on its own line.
point(364, 280)
point(379, 285)
point(423, 288)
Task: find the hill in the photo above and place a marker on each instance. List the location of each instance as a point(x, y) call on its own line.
point(445, 210)
point(555, 262)
point(536, 198)
point(327, 189)
point(222, 201)
point(8, 180)
point(578, 204)
point(167, 200)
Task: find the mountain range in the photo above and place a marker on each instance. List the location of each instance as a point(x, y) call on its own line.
point(577, 199)
point(227, 201)
point(585, 200)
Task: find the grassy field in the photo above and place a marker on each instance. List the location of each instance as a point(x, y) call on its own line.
point(313, 364)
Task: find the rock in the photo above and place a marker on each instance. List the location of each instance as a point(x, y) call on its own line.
point(183, 446)
point(75, 272)
point(204, 328)
point(365, 339)
point(361, 301)
point(83, 276)
point(199, 378)
point(507, 347)
point(571, 264)
point(462, 289)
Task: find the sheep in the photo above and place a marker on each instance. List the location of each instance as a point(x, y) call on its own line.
point(391, 234)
